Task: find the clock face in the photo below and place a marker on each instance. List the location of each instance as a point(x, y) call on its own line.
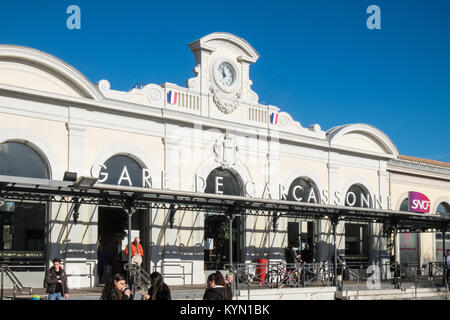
point(225, 74)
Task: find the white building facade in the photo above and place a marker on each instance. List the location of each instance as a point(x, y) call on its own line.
point(211, 136)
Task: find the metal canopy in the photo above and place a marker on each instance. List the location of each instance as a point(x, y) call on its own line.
point(43, 190)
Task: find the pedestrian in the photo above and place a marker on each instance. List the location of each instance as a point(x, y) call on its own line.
point(307, 258)
point(137, 252)
point(216, 289)
point(307, 254)
point(116, 289)
point(229, 284)
point(158, 290)
point(292, 258)
point(56, 281)
point(100, 262)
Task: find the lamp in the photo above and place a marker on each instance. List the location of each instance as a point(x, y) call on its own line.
point(84, 183)
point(76, 212)
point(70, 176)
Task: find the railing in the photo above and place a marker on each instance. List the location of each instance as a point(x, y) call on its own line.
point(185, 100)
point(258, 115)
point(182, 275)
point(279, 274)
point(17, 285)
point(89, 275)
point(139, 275)
point(399, 275)
point(436, 269)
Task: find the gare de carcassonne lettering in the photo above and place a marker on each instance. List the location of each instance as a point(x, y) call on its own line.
point(322, 197)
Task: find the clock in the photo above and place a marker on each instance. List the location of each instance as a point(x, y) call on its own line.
point(225, 76)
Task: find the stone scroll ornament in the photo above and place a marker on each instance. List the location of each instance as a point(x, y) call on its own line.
point(226, 106)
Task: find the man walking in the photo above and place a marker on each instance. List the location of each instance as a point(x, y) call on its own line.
point(56, 281)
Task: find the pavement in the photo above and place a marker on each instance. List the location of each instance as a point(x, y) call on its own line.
point(195, 292)
point(191, 292)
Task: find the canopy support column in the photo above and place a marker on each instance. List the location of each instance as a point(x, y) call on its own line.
point(396, 273)
point(444, 265)
point(129, 210)
point(334, 222)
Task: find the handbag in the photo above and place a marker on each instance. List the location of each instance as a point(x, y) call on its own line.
point(136, 259)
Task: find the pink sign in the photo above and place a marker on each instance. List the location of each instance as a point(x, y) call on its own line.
point(419, 202)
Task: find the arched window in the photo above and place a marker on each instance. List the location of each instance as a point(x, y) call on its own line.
point(227, 182)
point(19, 159)
point(443, 207)
point(22, 228)
point(404, 206)
point(303, 189)
point(122, 170)
point(358, 196)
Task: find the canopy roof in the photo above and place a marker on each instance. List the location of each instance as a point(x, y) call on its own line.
point(43, 190)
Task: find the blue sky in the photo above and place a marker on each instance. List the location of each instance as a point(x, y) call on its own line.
point(319, 61)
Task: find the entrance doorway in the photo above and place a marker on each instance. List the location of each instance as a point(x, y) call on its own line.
point(357, 242)
point(217, 243)
point(300, 233)
point(113, 237)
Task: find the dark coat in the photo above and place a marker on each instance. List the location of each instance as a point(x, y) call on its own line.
point(51, 281)
point(229, 292)
point(307, 255)
point(216, 293)
point(290, 255)
point(113, 294)
point(162, 294)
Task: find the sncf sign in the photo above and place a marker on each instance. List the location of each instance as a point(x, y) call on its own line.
point(419, 202)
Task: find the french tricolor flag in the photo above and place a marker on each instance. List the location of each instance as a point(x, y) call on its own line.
point(274, 118)
point(172, 97)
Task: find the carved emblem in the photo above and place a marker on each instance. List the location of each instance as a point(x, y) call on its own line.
point(225, 105)
point(225, 151)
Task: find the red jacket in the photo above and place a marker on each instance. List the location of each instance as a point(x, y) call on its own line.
point(140, 251)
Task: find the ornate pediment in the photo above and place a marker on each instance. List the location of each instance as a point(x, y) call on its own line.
point(222, 68)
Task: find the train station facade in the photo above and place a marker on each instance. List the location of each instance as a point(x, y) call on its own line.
point(210, 136)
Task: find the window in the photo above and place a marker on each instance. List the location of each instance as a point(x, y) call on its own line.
point(19, 159)
point(22, 224)
point(358, 196)
point(443, 208)
point(121, 170)
point(408, 241)
point(304, 190)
